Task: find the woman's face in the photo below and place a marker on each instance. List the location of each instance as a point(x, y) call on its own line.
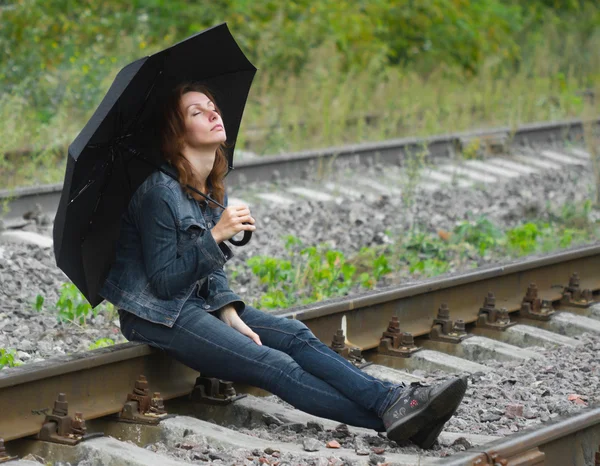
point(204, 126)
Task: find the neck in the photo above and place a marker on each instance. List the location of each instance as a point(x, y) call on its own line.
point(202, 161)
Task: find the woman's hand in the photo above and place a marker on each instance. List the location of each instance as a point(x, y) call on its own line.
point(230, 316)
point(233, 220)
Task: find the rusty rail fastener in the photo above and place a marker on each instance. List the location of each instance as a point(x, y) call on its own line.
point(338, 344)
point(59, 427)
point(492, 317)
point(396, 343)
point(533, 307)
point(213, 391)
point(140, 407)
point(4, 458)
point(351, 353)
point(574, 296)
point(443, 329)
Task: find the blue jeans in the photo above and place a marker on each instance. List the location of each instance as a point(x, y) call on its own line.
point(292, 363)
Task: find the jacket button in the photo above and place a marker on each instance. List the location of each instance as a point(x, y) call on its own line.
point(209, 224)
point(206, 306)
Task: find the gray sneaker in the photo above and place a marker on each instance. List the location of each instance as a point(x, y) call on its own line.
point(420, 409)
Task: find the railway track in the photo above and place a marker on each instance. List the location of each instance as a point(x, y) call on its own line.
point(463, 323)
point(502, 146)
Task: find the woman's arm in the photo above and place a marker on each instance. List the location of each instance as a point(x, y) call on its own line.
point(229, 315)
point(167, 273)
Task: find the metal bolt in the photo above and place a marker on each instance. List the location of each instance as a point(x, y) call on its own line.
point(394, 325)
point(228, 389)
point(574, 280)
point(157, 403)
point(532, 293)
point(489, 301)
point(459, 326)
point(443, 312)
point(61, 406)
point(406, 339)
point(141, 386)
point(78, 424)
point(339, 340)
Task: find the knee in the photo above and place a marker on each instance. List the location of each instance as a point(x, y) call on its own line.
point(299, 328)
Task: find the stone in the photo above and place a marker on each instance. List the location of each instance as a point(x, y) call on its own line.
point(315, 425)
point(270, 419)
point(376, 459)
point(514, 410)
point(489, 417)
point(333, 444)
point(311, 444)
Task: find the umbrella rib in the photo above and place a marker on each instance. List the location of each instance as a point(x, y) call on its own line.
point(102, 189)
point(143, 106)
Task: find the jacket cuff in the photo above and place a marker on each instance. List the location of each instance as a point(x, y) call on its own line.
point(217, 253)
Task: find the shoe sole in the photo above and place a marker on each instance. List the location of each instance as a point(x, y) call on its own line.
point(444, 404)
point(427, 442)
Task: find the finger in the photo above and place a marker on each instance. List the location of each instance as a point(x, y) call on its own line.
point(256, 339)
point(245, 218)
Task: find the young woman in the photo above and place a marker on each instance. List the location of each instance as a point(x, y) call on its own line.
point(169, 284)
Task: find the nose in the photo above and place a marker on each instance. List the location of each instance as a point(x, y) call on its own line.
point(213, 115)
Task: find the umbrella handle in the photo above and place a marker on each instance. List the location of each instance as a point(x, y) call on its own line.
point(243, 241)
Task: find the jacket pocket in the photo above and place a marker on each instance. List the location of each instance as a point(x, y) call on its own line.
point(189, 231)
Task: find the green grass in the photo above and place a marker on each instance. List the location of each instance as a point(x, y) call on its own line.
point(325, 105)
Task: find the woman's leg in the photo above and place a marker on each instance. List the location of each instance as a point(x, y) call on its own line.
point(294, 338)
point(203, 342)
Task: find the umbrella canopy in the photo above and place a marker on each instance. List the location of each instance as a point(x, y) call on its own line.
point(119, 147)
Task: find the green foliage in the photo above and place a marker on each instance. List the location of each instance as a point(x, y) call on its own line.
point(481, 233)
point(101, 343)
point(7, 358)
point(39, 303)
point(523, 239)
point(73, 307)
point(331, 72)
point(278, 276)
point(314, 273)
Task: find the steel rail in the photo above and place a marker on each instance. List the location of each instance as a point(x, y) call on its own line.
point(563, 441)
point(364, 316)
point(21, 200)
point(97, 382)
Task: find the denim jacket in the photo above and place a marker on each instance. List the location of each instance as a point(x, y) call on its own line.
point(165, 251)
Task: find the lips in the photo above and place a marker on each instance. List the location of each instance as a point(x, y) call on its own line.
point(217, 127)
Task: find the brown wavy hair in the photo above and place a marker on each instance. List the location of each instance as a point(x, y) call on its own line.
point(172, 129)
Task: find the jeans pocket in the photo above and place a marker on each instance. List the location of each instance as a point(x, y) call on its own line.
point(137, 336)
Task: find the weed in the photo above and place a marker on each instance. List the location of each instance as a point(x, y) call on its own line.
point(73, 307)
point(39, 303)
point(101, 343)
point(523, 239)
point(314, 273)
point(481, 233)
point(7, 358)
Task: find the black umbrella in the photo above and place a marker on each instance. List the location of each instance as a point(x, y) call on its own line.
point(118, 147)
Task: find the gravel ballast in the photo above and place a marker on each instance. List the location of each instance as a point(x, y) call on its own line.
point(513, 397)
point(346, 225)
